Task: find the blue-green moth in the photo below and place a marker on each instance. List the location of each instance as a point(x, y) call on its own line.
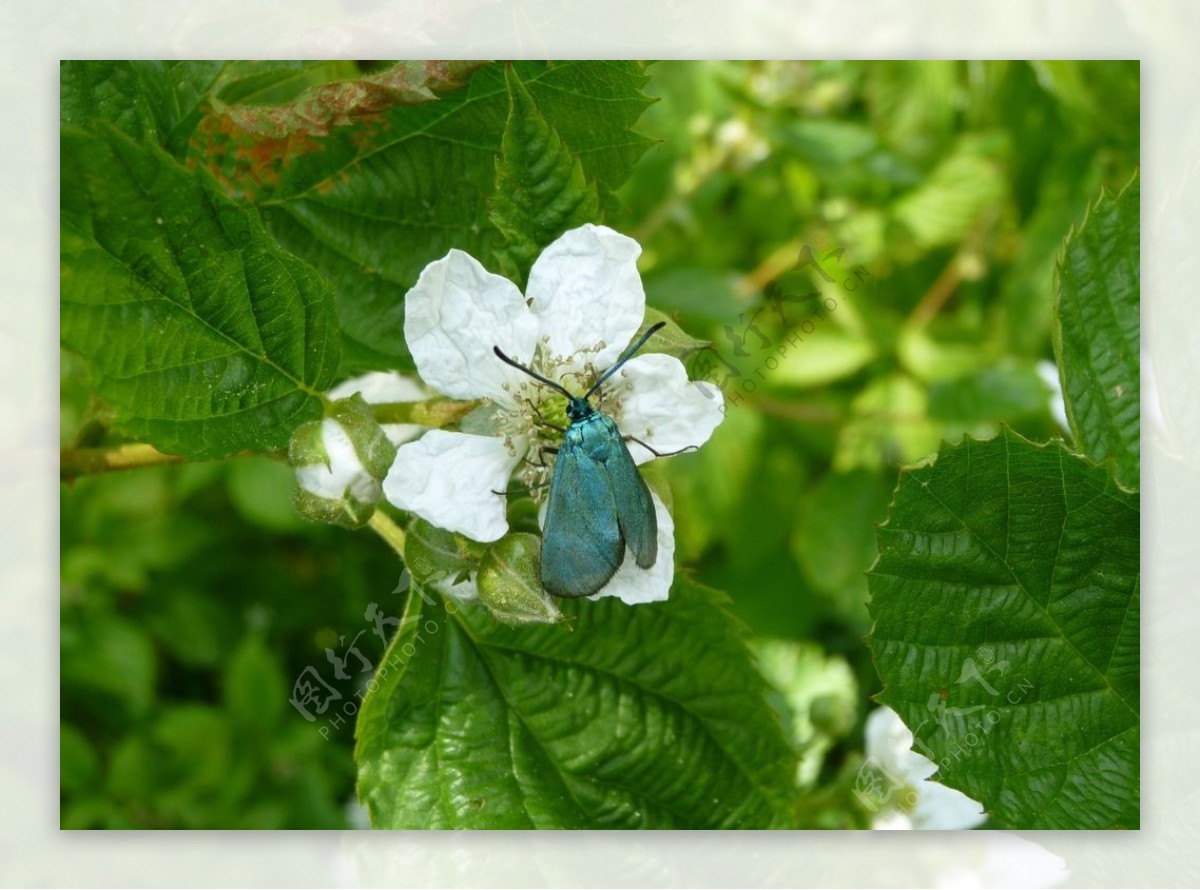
point(599, 504)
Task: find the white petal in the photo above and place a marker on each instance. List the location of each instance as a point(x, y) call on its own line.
point(891, 820)
point(942, 808)
point(585, 289)
point(453, 317)
point(890, 742)
point(345, 472)
point(449, 479)
point(660, 406)
point(634, 585)
point(380, 387)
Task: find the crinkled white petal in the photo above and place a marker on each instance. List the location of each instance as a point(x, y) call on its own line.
point(938, 806)
point(345, 472)
point(585, 290)
point(660, 406)
point(399, 433)
point(453, 317)
point(634, 585)
point(381, 387)
point(450, 480)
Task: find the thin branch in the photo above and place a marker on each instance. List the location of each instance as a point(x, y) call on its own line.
point(384, 526)
point(76, 462)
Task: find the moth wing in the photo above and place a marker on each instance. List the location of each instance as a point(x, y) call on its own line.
point(581, 541)
point(635, 508)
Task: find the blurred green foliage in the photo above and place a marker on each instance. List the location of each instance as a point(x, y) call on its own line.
point(936, 197)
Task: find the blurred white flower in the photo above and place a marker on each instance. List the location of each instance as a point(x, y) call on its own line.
point(1048, 371)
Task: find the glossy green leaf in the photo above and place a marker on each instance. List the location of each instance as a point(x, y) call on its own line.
point(1005, 602)
point(541, 189)
point(204, 335)
point(1097, 331)
point(650, 716)
point(372, 204)
point(151, 101)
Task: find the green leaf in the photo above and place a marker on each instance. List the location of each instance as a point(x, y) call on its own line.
point(1006, 391)
point(206, 337)
point(1006, 601)
point(109, 661)
point(835, 538)
point(373, 203)
point(541, 190)
point(1097, 330)
point(945, 206)
point(828, 143)
point(255, 692)
point(650, 716)
point(670, 339)
point(78, 764)
point(826, 355)
point(1099, 94)
point(816, 695)
point(149, 100)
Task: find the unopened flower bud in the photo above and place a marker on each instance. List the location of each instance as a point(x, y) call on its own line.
point(340, 462)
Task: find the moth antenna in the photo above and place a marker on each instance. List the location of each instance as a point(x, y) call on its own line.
point(534, 374)
point(626, 355)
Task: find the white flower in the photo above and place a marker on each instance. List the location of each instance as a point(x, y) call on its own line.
point(583, 304)
point(933, 805)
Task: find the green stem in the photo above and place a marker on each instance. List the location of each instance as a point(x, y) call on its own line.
point(434, 413)
point(384, 526)
point(75, 462)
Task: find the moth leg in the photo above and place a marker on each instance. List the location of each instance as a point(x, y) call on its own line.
point(660, 453)
point(537, 412)
point(540, 464)
point(521, 489)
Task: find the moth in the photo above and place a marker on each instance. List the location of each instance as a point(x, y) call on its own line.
point(599, 504)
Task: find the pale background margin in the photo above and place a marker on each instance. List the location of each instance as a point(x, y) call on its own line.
point(1160, 32)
